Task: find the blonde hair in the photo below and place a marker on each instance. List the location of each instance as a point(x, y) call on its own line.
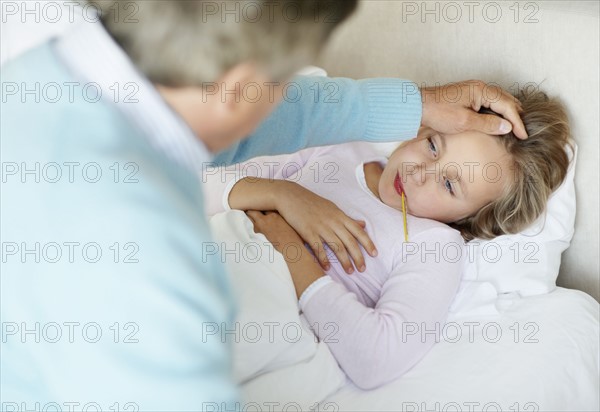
point(180, 43)
point(539, 165)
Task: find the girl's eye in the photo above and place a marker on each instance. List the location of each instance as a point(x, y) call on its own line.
point(447, 183)
point(432, 147)
point(448, 186)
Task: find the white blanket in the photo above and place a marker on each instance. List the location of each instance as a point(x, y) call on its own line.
point(545, 359)
point(276, 358)
point(530, 354)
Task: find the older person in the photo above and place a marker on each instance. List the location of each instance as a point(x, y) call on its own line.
point(106, 298)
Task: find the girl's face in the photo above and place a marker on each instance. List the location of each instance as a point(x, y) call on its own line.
point(445, 177)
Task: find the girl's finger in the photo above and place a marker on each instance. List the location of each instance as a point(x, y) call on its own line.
point(363, 238)
point(251, 215)
point(337, 246)
point(361, 223)
point(351, 246)
point(318, 249)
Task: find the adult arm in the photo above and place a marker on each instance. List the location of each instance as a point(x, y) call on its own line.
point(318, 111)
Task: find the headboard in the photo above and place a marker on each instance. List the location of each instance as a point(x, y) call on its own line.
point(553, 44)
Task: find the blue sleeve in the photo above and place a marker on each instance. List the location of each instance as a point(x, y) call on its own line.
point(320, 111)
point(132, 318)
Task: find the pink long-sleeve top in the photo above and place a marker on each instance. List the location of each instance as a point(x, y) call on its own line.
point(383, 321)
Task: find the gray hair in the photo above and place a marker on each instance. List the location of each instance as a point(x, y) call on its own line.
point(191, 42)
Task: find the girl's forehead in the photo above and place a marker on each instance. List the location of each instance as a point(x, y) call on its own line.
point(477, 144)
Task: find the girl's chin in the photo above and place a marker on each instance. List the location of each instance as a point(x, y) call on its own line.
point(394, 204)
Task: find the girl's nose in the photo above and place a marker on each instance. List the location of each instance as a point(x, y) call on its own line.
point(425, 173)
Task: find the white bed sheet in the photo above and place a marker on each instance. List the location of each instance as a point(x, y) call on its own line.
point(559, 372)
point(496, 351)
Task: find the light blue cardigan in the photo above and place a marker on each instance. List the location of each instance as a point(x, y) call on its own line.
point(150, 294)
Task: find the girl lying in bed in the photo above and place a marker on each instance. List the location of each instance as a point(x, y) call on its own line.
point(333, 202)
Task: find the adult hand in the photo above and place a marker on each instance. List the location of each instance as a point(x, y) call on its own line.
point(453, 108)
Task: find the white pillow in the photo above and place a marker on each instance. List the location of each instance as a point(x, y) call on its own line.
point(528, 262)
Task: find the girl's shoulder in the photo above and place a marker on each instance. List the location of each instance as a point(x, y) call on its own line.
point(423, 230)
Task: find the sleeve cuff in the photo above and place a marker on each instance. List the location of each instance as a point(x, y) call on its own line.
point(228, 190)
point(312, 289)
point(395, 109)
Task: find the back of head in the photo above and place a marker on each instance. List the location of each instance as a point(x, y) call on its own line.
point(180, 43)
point(539, 166)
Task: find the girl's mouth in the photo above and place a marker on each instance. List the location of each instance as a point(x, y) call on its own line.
point(398, 185)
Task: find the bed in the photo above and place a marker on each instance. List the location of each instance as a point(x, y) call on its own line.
point(547, 358)
point(516, 340)
point(497, 351)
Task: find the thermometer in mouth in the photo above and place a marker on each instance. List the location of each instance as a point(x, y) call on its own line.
point(404, 217)
point(400, 189)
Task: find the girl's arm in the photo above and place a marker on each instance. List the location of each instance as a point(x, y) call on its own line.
point(376, 345)
point(251, 186)
point(251, 193)
point(218, 181)
point(317, 220)
point(302, 265)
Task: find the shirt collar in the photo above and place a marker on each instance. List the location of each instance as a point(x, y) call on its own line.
point(360, 172)
point(94, 57)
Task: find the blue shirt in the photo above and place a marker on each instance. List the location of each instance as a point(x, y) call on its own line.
point(107, 298)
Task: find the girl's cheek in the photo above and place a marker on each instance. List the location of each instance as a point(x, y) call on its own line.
point(427, 206)
point(415, 206)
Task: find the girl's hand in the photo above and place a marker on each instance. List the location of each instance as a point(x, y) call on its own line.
point(303, 267)
point(276, 230)
point(318, 221)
